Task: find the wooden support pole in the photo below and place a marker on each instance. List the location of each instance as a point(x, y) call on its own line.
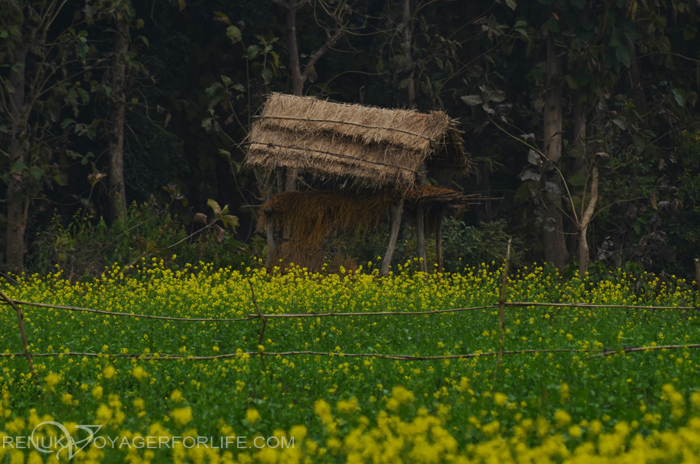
point(22, 332)
point(438, 239)
point(270, 236)
point(420, 224)
point(420, 238)
point(397, 211)
point(502, 312)
point(697, 277)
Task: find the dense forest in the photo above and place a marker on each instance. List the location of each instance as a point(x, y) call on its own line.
point(123, 123)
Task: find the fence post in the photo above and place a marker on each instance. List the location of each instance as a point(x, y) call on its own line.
point(23, 334)
point(697, 277)
point(502, 311)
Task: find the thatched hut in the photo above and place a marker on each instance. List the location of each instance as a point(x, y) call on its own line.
point(384, 151)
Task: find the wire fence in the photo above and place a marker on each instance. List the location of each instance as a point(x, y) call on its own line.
point(501, 306)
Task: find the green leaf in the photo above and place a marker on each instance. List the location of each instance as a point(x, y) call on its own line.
point(623, 55)
point(252, 52)
point(37, 173)
point(511, 4)
point(553, 25)
point(234, 34)
point(224, 16)
point(577, 180)
point(18, 166)
point(404, 83)
point(266, 75)
point(215, 206)
point(84, 96)
point(231, 221)
point(497, 96)
point(570, 80)
point(81, 48)
point(239, 87)
point(472, 100)
point(276, 58)
point(689, 32)
point(4, 34)
point(680, 99)
point(621, 123)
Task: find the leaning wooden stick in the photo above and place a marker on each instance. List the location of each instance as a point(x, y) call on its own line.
point(264, 324)
point(260, 314)
point(697, 277)
point(23, 334)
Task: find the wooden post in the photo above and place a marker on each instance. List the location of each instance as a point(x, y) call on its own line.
point(397, 211)
point(502, 312)
point(270, 235)
point(420, 224)
point(438, 239)
point(420, 238)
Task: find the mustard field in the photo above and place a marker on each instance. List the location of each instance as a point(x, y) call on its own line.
point(585, 405)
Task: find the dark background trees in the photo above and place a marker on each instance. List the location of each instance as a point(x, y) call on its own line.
point(581, 117)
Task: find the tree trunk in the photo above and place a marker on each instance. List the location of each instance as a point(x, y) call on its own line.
point(297, 80)
point(553, 235)
point(17, 202)
point(583, 253)
point(438, 240)
point(580, 165)
point(397, 211)
point(117, 196)
point(409, 90)
point(270, 236)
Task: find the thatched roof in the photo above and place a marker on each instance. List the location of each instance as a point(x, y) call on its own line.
point(384, 147)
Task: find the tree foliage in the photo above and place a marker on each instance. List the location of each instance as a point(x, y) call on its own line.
point(622, 77)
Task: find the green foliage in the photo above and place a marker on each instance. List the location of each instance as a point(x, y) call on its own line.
point(528, 398)
point(85, 247)
point(486, 244)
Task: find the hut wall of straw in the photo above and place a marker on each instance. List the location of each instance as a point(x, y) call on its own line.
point(314, 216)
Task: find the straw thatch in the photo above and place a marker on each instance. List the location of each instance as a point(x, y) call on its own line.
point(381, 146)
point(312, 216)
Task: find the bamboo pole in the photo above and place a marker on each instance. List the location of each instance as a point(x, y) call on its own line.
point(397, 357)
point(270, 236)
point(420, 238)
point(22, 332)
point(438, 240)
point(264, 324)
point(420, 224)
point(502, 311)
point(697, 277)
point(114, 313)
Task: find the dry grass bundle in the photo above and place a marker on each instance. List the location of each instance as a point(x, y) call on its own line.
point(427, 194)
point(313, 216)
point(384, 147)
